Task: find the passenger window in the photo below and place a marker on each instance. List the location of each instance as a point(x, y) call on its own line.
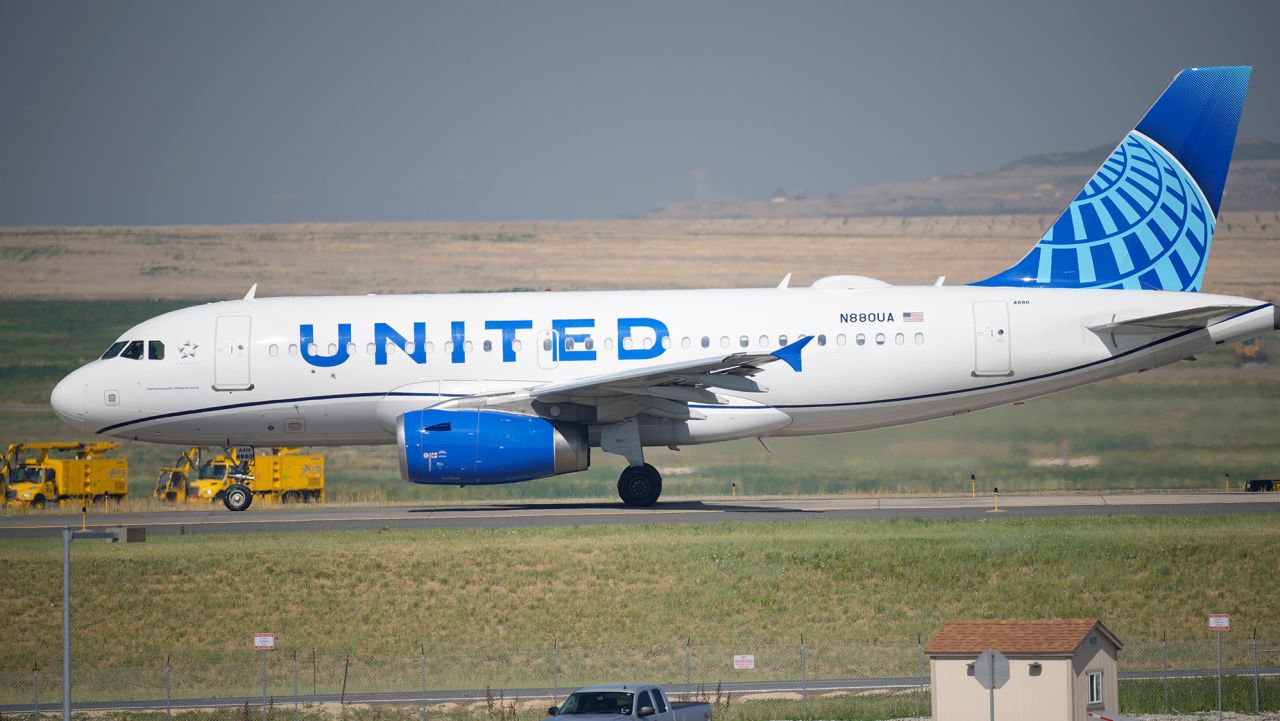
point(515, 346)
point(133, 351)
point(546, 344)
point(351, 349)
point(782, 340)
point(590, 343)
point(666, 341)
point(115, 349)
point(488, 346)
point(333, 348)
point(448, 346)
point(293, 349)
point(627, 343)
point(568, 344)
point(643, 700)
point(724, 341)
point(919, 338)
point(431, 347)
point(608, 344)
point(743, 341)
point(899, 339)
point(685, 342)
point(273, 350)
point(861, 339)
point(647, 343)
point(662, 702)
point(368, 349)
point(155, 350)
point(764, 341)
point(467, 346)
point(879, 338)
point(410, 347)
point(840, 339)
point(706, 342)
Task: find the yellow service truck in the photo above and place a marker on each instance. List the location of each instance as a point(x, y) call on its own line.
point(31, 477)
point(282, 476)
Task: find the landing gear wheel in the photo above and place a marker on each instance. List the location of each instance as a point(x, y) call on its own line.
point(640, 485)
point(238, 497)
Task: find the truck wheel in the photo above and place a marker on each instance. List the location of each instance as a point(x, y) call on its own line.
point(640, 485)
point(38, 502)
point(238, 497)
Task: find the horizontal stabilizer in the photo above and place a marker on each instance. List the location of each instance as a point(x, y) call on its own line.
point(1178, 320)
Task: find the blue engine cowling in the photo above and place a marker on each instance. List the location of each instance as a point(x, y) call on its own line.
point(462, 447)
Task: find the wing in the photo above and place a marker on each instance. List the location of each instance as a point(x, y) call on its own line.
point(664, 390)
point(1178, 320)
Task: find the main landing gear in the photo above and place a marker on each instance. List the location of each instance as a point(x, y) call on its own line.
point(640, 485)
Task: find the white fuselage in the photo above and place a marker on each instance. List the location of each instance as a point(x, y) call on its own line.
point(243, 372)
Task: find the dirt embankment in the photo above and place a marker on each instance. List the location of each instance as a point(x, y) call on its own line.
point(203, 262)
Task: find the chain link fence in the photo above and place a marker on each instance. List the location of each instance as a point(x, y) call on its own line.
point(746, 681)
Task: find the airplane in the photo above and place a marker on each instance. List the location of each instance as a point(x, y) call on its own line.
point(505, 387)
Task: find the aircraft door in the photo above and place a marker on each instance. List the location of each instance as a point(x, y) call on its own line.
point(548, 352)
point(991, 338)
point(231, 353)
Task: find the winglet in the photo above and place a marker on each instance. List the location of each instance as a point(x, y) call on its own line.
point(790, 354)
point(253, 292)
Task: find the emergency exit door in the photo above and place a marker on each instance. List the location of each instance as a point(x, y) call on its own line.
point(231, 353)
point(991, 338)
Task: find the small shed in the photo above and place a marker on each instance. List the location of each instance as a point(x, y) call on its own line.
point(1059, 669)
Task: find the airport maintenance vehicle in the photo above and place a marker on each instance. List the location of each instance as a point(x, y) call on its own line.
point(282, 476)
point(620, 701)
point(32, 477)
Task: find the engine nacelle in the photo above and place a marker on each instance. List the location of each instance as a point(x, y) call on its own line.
point(462, 447)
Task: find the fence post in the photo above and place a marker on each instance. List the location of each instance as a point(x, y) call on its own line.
point(920, 662)
point(264, 685)
point(35, 686)
point(1219, 635)
point(168, 687)
point(313, 675)
point(1257, 705)
point(804, 677)
point(555, 667)
point(296, 711)
point(346, 666)
point(1164, 669)
point(423, 657)
point(688, 668)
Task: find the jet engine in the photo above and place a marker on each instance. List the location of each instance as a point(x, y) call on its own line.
point(464, 447)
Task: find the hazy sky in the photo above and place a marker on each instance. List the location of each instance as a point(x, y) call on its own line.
point(239, 112)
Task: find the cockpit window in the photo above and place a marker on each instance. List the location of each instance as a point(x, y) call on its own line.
point(115, 349)
point(133, 351)
point(155, 350)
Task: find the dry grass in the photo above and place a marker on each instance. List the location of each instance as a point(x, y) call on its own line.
point(201, 262)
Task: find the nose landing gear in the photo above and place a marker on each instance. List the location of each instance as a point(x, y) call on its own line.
point(237, 497)
point(640, 485)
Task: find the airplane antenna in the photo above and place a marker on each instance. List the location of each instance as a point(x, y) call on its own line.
point(938, 283)
point(252, 291)
point(786, 281)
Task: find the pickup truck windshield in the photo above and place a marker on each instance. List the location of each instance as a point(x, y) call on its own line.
point(598, 702)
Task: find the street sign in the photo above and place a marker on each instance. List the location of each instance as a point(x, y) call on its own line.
point(744, 662)
point(264, 641)
point(1219, 622)
point(991, 669)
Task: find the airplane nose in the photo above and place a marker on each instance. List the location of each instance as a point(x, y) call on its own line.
point(67, 400)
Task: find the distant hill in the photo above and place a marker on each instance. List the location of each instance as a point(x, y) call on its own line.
point(1037, 184)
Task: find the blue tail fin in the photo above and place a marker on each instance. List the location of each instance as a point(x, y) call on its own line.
point(1145, 220)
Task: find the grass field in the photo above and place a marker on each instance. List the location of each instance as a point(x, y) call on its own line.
point(394, 592)
point(1181, 427)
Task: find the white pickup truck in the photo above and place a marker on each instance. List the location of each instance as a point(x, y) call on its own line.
point(627, 701)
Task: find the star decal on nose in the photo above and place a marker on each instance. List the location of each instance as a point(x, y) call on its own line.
point(188, 350)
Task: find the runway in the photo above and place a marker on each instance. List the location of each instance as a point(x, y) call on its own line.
point(278, 519)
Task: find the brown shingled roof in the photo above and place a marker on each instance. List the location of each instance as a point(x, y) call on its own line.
point(1054, 636)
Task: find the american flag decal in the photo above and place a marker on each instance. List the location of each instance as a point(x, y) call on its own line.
point(913, 317)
